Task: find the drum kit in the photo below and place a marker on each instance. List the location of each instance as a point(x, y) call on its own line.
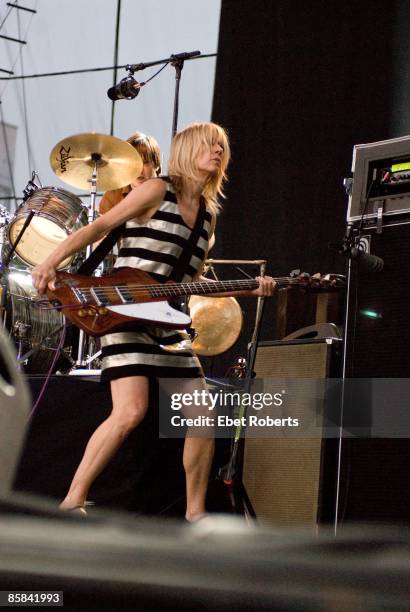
point(47, 215)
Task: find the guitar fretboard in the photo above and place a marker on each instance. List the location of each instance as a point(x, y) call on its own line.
point(129, 293)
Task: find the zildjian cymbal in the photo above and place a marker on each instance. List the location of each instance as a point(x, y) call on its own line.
point(118, 163)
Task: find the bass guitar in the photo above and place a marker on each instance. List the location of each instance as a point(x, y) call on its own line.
point(99, 305)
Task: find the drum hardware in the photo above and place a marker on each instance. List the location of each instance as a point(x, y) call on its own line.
point(73, 158)
point(41, 344)
point(31, 186)
point(20, 330)
point(113, 163)
point(94, 356)
point(96, 158)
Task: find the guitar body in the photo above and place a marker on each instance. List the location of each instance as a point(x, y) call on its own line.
point(98, 305)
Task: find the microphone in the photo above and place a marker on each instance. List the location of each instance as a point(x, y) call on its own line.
point(127, 89)
point(370, 263)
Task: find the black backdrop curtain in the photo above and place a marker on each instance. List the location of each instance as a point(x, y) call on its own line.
point(297, 85)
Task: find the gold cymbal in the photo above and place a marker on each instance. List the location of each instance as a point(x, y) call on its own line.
point(218, 323)
point(118, 163)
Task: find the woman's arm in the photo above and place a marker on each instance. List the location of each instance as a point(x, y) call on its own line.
point(136, 203)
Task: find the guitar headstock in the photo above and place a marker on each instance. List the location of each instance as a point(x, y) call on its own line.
point(318, 281)
point(329, 281)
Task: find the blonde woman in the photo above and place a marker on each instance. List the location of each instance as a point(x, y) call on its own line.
point(159, 218)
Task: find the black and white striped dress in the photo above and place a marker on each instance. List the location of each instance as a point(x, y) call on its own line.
point(155, 247)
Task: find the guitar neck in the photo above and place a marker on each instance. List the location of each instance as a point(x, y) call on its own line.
point(201, 288)
point(206, 287)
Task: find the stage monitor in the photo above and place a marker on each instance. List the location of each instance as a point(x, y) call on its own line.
point(381, 181)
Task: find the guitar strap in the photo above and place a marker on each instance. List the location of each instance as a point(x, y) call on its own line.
point(177, 274)
point(179, 270)
point(89, 265)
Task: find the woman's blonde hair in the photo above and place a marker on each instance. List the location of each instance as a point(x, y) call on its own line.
point(186, 147)
point(148, 148)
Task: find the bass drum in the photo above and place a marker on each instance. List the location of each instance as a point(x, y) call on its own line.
point(57, 213)
point(36, 333)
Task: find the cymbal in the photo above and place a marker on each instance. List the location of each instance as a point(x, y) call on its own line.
point(118, 163)
point(218, 323)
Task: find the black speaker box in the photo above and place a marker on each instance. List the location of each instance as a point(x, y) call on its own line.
point(291, 481)
point(378, 329)
point(375, 473)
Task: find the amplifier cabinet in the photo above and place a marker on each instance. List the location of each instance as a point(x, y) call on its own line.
point(292, 481)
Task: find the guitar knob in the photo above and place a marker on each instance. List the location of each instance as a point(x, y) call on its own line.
point(102, 311)
point(91, 312)
point(82, 312)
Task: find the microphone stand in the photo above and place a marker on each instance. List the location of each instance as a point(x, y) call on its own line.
point(228, 472)
point(177, 61)
point(250, 362)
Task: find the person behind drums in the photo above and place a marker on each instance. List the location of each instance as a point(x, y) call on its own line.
point(160, 216)
point(150, 153)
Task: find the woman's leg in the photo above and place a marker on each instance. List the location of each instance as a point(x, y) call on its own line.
point(130, 403)
point(198, 448)
point(198, 455)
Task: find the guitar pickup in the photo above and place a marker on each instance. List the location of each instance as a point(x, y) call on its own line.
point(125, 295)
point(100, 296)
point(79, 295)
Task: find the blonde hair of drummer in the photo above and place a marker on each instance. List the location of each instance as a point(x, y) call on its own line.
point(185, 149)
point(150, 153)
point(148, 148)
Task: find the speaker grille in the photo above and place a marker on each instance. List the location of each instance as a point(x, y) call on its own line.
point(282, 477)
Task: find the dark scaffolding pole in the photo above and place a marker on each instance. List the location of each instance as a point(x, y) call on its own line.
point(117, 36)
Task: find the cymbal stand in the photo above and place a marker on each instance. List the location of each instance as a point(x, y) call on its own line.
point(81, 362)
